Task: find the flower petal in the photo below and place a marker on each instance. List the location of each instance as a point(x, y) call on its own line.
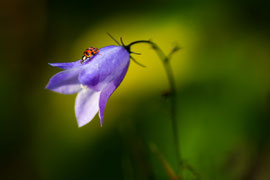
point(104, 67)
point(65, 82)
point(107, 92)
point(68, 65)
point(86, 106)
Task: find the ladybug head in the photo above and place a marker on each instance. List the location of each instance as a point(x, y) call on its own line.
point(84, 57)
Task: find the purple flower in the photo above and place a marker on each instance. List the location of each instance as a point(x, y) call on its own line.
point(94, 80)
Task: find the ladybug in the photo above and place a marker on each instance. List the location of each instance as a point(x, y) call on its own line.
point(89, 52)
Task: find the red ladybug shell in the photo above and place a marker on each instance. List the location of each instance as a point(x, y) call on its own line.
point(91, 51)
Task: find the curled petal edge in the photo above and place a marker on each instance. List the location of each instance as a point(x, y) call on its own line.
point(66, 66)
point(65, 82)
point(107, 92)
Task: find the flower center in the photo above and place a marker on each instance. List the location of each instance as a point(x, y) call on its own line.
point(84, 86)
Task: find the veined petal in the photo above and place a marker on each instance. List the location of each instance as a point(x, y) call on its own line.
point(86, 106)
point(68, 65)
point(107, 92)
point(65, 82)
point(104, 67)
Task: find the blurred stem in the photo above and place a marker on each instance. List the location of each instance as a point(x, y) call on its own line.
point(170, 172)
point(168, 69)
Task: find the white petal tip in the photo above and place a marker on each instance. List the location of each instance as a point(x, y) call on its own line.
point(81, 124)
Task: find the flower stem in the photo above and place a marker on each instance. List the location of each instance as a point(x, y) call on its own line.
point(168, 69)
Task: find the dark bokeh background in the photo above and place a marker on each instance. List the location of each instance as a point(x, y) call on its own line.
point(222, 76)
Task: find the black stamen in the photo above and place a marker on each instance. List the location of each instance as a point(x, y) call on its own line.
point(134, 60)
point(113, 39)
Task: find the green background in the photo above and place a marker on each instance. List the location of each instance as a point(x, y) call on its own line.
point(222, 77)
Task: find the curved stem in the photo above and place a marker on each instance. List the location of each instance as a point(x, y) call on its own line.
point(140, 41)
point(170, 76)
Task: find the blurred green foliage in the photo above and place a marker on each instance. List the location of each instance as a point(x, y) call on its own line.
point(222, 76)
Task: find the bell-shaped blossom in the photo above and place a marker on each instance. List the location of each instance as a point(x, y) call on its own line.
point(94, 80)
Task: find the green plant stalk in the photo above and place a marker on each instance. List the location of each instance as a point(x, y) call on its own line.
point(168, 69)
